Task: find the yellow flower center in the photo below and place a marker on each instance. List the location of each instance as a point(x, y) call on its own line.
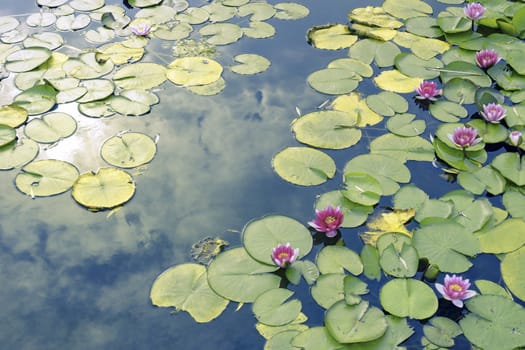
point(455, 287)
point(283, 255)
point(329, 219)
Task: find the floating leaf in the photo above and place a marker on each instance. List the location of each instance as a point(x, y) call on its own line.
point(395, 81)
point(370, 257)
point(512, 272)
point(407, 9)
point(47, 40)
point(446, 244)
point(46, 178)
point(51, 127)
point(494, 322)
point(331, 37)
point(191, 71)
point(258, 11)
point(305, 268)
point(271, 308)
point(503, 238)
point(474, 213)
point(399, 262)
point(387, 170)
point(374, 16)
point(423, 26)
point(413, 66)
point(368, 50)
point(489, 287)
point(290, 11)
point(441, 331)
point(397, 332)
point(355, 323)
point(250, 64)
point(511, 166)
point(334, 81)
point(354, 214)
point(119, 53)
point(208, 89)
point(140, 76)
point(387, 103)
point(383, 34)
point(218, 12)
point(361, 188)
point(86, 66)
point(386, 223)
point(260, 236)
point(327, 129)
point(282, 339)
point(16, 154)
point(352, 64)
point(454, 24)
point(316, 338)
point(467, 71)
point(185, 287)
point(408, 297)
point(27, 59)
point(303, 166)
point(259, 30)
point(269, 332)
point(127, 106)
point(337, 259)
point(357, 107)
point(447, 111)
point(72, 22)
point(354, 288)
point(221, 33)
point(424, 48)
point(235, 275)
point(328, 289)
point(128, 150)
point(105, 189)
point(7, 135)
point(514, 202)
point(37, 100)
point(404, 125)
point(13, 115)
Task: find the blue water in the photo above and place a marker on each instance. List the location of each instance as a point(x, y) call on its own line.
point(79, 280)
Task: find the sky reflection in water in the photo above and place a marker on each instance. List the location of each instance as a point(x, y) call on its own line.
point(75, 279)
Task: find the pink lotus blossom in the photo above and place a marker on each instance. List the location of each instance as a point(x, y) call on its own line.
point(493, 112)
point(455, 289)
point(284, 255)
point(140, 29)
point(328, 220)
point(428, 90)
point(464, 136)
point(474, 10)
point(487, 58)
point(515, 138)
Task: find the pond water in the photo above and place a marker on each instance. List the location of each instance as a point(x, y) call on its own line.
point(79, 279)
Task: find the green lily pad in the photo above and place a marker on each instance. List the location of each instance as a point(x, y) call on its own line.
point(18, 153)
point(512, 272)
point(514, 202)
point(128, 150)
point(387, 170)
point(250, 64)
point(235, 275)
point(446, 244)
point(47, 40)
point(474, 213)
point(119, 53)
point(407, 9)
point(404, 125)
point(387, 103)
point(512, 166)
point(272, 309)
point(441, 331)
point(459, 90)
point(331, 37)
point(185, 287)
point(423, 26)
point(328, 289)
point(352, 64)
point(290, 11)
point(37, 100)
point(507, 79)
point(193, 15)
point(413, 66)
point(503, 238)
point(259, 30)
point(126, 106)
point(302, 268)
point(303, 166)
point(490, 132)
point(105, 189)
point(355, 323)
point(467, 71)
point(334, 81)
point(7, 134)
point(190, 71)
point(221, 33)
point(337, 259)
point(362, 188)
point(51, 127)
point(315, 338)
point(424, 48)
point(399, 262)
point(258, 11)
point(260, 236)
point(140, 76)
point(73, 22)
point(46, 178)
point(447, 111)
point(354, 214)
point(327, 129)
point(144, 3)
point(370, 257)
point(218, 12)
point(374, 16)
point(484, 179)
point(96, 89)
point(369, 50)
point(454, 24)
point(357, 107)
point(27, 59)
point(86, 66)
point(494, 322)
point(282, 340)
point(408, 298)
point(489, 287)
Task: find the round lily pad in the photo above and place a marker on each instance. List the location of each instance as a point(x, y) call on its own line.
point(408, 297)
point(7, 135)
point(13, 115)
point(37, 99)
point(17, 153)
point(334, 81)
point(250, 64)
point(51, 127)
point(338, 259)
point(290, 11)
point(221, 33)
point(189, 71)
point(260, 236)
point(46, 178)
point(304, 166)
point(128, 150)
point(25, 60)
point(272, 309)
point(140, 76)
point(105, 189)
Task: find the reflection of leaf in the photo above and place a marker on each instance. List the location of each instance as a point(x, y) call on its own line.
point(494, 322)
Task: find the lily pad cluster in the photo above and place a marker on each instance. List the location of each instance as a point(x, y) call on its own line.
point(418, 238)
point(106, 77)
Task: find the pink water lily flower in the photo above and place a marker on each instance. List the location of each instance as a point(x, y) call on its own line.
point(284, 255)
point(456, 289)
point(428, 90)
point(328, 220)
point(493, 112)
point(464, 136)
point(140, 29)
point(474, 10)
point(515, 138)
point(487, 58)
